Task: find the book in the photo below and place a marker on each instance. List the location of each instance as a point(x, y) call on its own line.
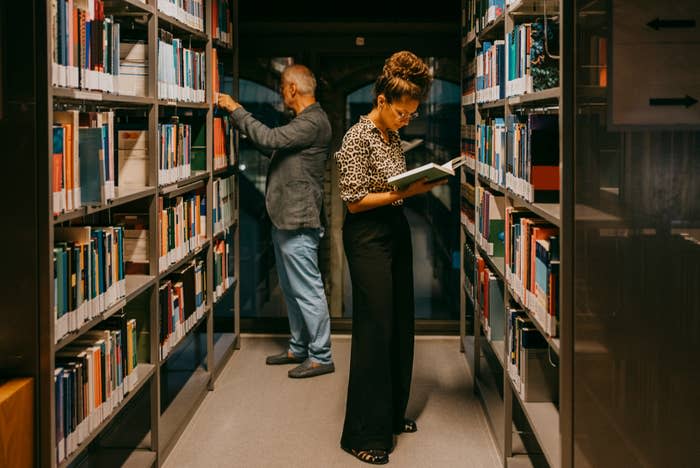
point(132, 147)
point(430, 171)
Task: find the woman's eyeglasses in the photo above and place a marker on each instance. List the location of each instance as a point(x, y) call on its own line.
point(403, 115)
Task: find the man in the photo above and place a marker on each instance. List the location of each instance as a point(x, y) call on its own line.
point(294, 197)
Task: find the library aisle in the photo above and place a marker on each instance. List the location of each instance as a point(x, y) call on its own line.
point(258, 417)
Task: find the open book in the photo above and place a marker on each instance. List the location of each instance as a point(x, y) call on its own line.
point(430, 171)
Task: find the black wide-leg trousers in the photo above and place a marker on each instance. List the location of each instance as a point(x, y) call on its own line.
point(378, 249)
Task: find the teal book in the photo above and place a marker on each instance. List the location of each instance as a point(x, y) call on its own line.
point(92, 175)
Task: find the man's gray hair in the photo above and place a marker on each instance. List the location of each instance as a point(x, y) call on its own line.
point(301, 76)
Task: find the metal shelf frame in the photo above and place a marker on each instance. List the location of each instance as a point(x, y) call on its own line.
point(164, 428)
point(552, 427)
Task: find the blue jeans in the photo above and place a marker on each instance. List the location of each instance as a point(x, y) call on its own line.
point(296, 254)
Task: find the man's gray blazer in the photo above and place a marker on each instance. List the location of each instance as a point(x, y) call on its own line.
point(294, 192)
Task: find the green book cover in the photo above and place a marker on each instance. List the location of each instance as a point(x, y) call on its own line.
point(497, 237)
point(199, 147)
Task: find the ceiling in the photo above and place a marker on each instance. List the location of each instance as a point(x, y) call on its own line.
point(351, 11)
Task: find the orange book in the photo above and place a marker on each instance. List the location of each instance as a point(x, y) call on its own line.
point(69, 178)
point(163, 232)
point(603, 62)
point(96, 358)
point(215, 70)
point(527, 252)
point(538, 233)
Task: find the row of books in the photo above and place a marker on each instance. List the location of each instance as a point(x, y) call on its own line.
point(532, 265)
point(88, 274)
point(224, 154)
point(528, 362)
point(490, 71)
point(468, 146)
point(181, 70)
point(223, 265)
point(480, 13)
point(534, 375)
point(223, 205)
point(84, 45)
point(468, 137)
point(521, 153)
point(469, 82)
point(490, 223)
point(491, 150)
point(532, 157)
point(91, 377)
point(82, 159)
point(190, 12)
point(182, 226)
point(175, 152)
point(221, 21)
point(182, 304)
point(136, 242)
point(530, 67)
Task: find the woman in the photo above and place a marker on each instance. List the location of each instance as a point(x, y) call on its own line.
point(377, 245)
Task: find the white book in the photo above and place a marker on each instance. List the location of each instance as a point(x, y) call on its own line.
point(430, 171)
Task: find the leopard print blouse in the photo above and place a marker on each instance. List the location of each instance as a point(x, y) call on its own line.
point(365, 161)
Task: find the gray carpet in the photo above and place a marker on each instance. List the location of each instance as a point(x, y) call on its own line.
point(258, 417)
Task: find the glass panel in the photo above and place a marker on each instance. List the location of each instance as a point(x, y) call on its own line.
point(637, 239)
point(433, 217)
point(257, 256)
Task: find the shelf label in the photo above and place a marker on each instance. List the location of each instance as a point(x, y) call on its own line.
point(654, 68)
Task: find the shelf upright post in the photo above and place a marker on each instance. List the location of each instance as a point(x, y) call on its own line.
point(236, 234)
point(509, 26)
point(153, 225)
point(209, 190)
point(45, 395)
point(567, 78)
point(462, 179)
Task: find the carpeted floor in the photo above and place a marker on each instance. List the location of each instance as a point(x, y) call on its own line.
point(258, 417)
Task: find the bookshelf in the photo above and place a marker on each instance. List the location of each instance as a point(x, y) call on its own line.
point(183, 290)
point(514, 344)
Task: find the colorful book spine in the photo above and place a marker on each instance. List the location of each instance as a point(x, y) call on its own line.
point(89, 275)
point(174, 152)
point(189, 12)
point(181, 226)
point(91, 379)
point(181, 70)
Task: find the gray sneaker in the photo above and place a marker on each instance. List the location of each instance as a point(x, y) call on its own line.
point(310, 369)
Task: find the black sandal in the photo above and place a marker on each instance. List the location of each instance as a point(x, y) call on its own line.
point(409, 425)
point(372, 456)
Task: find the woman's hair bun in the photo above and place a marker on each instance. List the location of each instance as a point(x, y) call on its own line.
point(407, 66)
point(404, 74)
